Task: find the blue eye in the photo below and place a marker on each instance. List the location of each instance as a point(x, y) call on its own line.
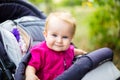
point(65, 37)
point(54, 35)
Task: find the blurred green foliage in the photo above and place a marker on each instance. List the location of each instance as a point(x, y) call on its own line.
point(36, 2)
point(70, 2)
point(105, 26)
point(50, 5)
point(61, 2)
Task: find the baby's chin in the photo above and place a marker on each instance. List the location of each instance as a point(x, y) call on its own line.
point(60, 49)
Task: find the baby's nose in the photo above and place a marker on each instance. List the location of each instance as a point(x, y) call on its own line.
point(59, 39)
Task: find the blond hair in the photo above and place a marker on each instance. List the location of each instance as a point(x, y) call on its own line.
point(65, 16)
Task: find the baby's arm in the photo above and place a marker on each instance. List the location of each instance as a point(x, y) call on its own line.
point(30, 73)
point(79, 52)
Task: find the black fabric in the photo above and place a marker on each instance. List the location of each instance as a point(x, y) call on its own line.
point(5, 58)
point(20, 72)
point(4, 62)
point(3, 53)
point(118, 78)
point(1, 76)
point(13, 9)
point(1, 40)
point(100, 56)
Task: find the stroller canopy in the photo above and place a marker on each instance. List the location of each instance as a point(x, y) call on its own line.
point(13, 9)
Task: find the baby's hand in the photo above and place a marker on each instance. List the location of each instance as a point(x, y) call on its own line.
point(82, 51)
point(79, 52)
point(32, 77)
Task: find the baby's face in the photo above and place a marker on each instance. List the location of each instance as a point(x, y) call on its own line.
point(58, 35)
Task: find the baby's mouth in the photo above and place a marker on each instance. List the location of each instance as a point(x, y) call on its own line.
point(59, 45)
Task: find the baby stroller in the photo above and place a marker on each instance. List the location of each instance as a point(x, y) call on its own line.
point(19, 14)
point(11, 10)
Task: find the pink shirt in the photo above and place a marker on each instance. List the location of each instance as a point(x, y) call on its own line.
point(49, 63)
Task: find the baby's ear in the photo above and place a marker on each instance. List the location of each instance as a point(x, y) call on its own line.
point(45, 33)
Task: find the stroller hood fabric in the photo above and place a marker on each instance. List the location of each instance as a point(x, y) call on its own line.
point(9, 40)
point(14, 9)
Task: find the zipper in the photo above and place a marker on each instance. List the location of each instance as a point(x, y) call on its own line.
point(65, 65)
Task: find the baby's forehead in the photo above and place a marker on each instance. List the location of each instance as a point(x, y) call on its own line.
point(60, 32)
point(60, 29)
point(58, 21)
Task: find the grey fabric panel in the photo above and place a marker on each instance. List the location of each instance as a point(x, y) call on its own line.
point(34, 27)
point(34, 30)
point(106, 71)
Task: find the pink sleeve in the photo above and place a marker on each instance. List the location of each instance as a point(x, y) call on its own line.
point(36, 58)
point(72, 49)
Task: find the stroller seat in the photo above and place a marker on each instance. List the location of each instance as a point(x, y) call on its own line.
point(19, 9)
